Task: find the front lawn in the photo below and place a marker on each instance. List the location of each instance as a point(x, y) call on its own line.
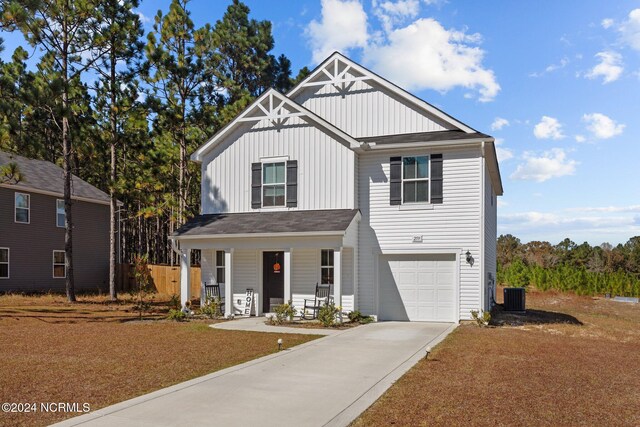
point(572, 361)
point(98, 353)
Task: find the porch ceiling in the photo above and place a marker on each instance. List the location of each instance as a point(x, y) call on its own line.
point(297, 222)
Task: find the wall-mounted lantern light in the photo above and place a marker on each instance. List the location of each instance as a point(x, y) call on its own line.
point(469, 258)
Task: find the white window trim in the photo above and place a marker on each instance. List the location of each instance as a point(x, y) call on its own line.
point(428, 179)
point(217, 266)
point(8, 264)
point(54, 263)
point(15, 207)
point(326, 266)
point(271, 162)
point(63, 212)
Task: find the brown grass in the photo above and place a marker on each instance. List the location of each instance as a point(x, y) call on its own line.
point(97, 352)
point(571, 361)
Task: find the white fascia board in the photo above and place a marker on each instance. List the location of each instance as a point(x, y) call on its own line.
point(301, 111)
point(419, 103)
point(259, 235)
point(426, 144)
point(25, 189)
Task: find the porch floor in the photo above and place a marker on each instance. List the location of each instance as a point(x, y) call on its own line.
point(257, 324)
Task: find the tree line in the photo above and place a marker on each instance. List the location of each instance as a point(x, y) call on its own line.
point(567, 266)
point(123, 108)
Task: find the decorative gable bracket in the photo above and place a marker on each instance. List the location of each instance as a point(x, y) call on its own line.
point(337, 73)
point(271, 109)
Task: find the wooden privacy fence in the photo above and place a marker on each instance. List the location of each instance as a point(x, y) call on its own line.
point(165, 279)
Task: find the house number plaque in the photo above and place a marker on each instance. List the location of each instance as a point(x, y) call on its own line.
point(417, 239)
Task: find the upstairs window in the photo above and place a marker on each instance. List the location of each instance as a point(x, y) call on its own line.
point(23, 208)
point(60, 215)
point(59, 267)
point(326, 267)
point(415, 179)
point(4, 263)
point(273, 184)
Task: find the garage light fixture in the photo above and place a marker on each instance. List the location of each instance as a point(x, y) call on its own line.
point(469, 258)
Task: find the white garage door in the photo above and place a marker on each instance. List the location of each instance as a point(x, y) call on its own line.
point(418, 287)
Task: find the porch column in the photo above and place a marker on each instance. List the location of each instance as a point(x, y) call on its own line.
point(228, 283)
point(337, 279)
point(287, 275)
point(185, 276)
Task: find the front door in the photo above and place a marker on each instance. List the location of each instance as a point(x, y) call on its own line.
point(273, 280)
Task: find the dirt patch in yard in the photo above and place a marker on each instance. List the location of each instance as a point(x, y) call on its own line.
point(574, 361)
point(98, 353)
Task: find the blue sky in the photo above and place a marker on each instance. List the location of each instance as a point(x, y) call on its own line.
point(557, 83)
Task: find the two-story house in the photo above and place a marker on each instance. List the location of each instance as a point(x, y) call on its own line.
point(32, 221)
point(351, 181)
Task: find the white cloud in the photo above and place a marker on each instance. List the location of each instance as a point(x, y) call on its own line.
point(392, 13)
point(630, 29)
point(551, 164)
point(343, 27)
point(502, 153)
point(425, 55)
point(552, 67)
point(580, 138)
point(499, 123)
point(610, 67)
point(606, 23)
point(601, 126)
point(548, 128)
point(609, 209)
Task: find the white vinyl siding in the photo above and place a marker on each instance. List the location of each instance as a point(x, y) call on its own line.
point(59, 267)
point(366, 111)
point(4, 263)
point(22, 208)
point(454, 224)
point(326, 177)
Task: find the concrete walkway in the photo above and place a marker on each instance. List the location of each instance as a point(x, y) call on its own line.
point(257, 324)
point(325, 382)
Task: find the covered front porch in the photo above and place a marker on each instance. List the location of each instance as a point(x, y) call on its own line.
point(278, 256)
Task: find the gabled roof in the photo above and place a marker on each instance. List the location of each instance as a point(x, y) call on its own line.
point(337, 59)
point(319, 222)
point(277, 108)
point(444, 135)
point(46, 177)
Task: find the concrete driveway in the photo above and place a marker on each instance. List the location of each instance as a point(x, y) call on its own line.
point(329, 381)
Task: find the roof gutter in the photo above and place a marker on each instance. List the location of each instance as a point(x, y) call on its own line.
point(259, 235)
point(26, 189)
point(367, 146)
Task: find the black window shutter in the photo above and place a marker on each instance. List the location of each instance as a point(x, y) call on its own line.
point(292, 183)
point(256, 185)
point(395, 181)
point(436, 178)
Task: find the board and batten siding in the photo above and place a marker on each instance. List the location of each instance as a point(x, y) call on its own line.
point(366, 110)
point(326, 176)
point(490, 240)
point(454, 224)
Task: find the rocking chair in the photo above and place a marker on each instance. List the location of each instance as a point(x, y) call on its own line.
point(213, 292)
point(320, 299)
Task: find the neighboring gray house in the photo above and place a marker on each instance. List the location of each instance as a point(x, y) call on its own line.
point(32, 230)
point(351, 181)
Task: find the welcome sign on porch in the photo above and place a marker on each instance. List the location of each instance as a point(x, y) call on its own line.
point(248, 302)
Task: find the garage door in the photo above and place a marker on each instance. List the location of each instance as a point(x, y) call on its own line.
point(418, 287)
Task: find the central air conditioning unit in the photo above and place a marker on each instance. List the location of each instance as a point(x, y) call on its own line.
point(514, 300)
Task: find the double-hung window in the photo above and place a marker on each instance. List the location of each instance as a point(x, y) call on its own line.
point(59, 268)
point(60, 214)
point(220, 267)
point(4, 263)
point(326, 267)
point(273, 184)
point(23, 208)
point(415, 179)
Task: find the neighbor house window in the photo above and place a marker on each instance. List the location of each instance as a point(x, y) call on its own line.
point(220, 267)
point(23, 207)
point(326, 267)
point(59, 268)
point(415, 179)
point(273, 184)
point(4, 263)
point(60, 215)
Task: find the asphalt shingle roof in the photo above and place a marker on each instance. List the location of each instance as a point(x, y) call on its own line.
point(444, 135)
point(268, 222)
point(46, 176)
